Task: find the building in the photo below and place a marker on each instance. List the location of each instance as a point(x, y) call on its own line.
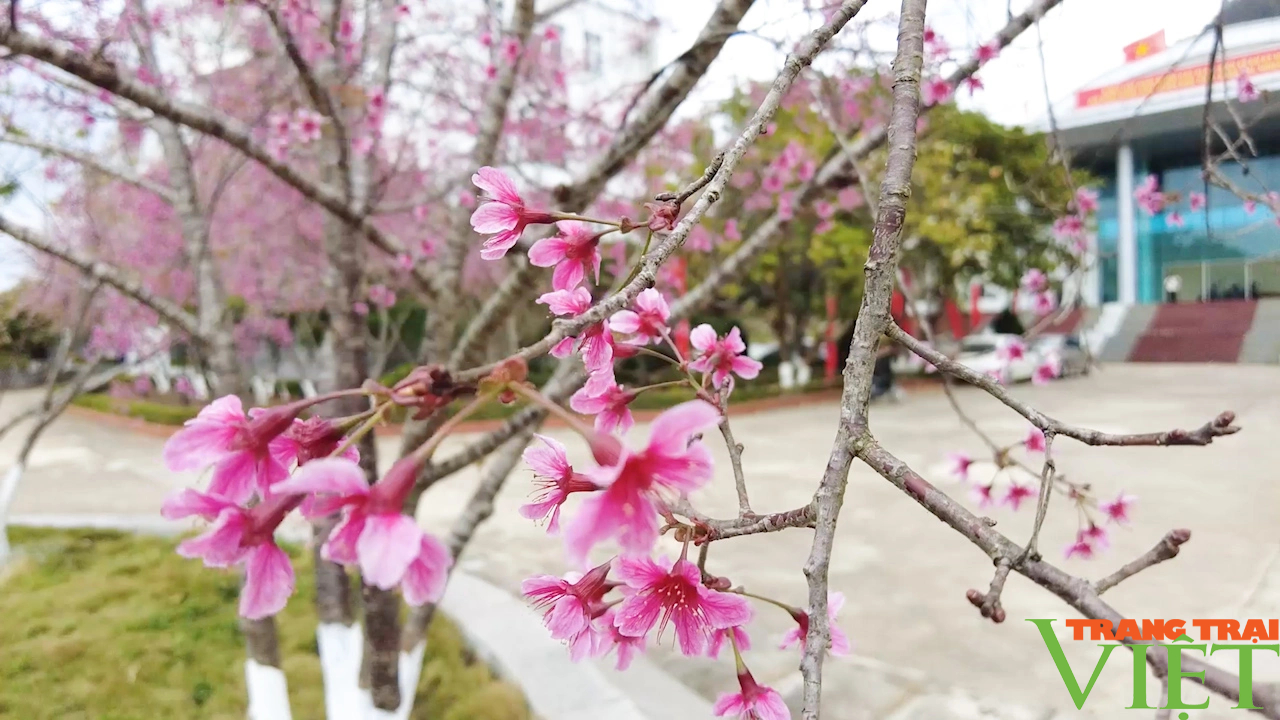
point(1146, 119)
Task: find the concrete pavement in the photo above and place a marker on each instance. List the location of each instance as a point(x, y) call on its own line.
point(921, 651)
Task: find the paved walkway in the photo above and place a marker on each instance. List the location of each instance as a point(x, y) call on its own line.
point(921, 650)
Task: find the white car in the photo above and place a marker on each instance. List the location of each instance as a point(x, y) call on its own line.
point(1003, 356)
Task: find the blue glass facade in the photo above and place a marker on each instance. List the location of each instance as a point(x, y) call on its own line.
point(1223, 251)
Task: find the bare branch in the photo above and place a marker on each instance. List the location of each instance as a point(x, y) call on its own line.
point(108, 274)
point(873, 318)
point(1166, 549)
point(91, 162)
point(1203, 435)
point(989, 602)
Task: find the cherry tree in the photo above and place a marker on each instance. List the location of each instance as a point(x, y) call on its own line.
point(323, 112)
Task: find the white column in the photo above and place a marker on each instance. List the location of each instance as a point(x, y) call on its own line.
point(1127, 239)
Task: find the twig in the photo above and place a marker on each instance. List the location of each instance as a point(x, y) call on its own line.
point(735, 459)
point(989, 603)
point(1042, 501)
point(1166, 549)
point(1203, 435)
point(685, 193)
point(749, 525)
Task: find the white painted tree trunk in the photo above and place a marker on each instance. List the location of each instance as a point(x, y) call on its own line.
point(341, 650)
point(8, 488)
point(268, 692)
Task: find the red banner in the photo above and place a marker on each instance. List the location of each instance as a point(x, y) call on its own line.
point(1179, 79)
point(1144, 47)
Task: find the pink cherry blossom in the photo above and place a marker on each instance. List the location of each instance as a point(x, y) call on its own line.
point(1045, 373)
point(675, 595)
point(1148, 195)
point(988, 52)
point(1043, 303)
point(839, 641)
point(1011, 350)
point(670, 463)
point(1196, 200)
point(662, 215)
point(627, 647)
point(1095, 535)
point(242, 450)
point(1086, 200)
point(1034, 442)
point(753, 701)
point(959, 465)
point(597, 346)
point(935, 90)
point(307, 126)
point(382, 296)
point(360, 308)
point(1034, 280)
point(425, 578)
point(1080, 548)
point(608, 402)
point(1175, 219)
point(849, 198)
point(647, 323)
point(312, 439)
point(568, 603)
point(1117, 511)
point(373, 533)
point(1017, 494)
point(973, 83)
point(731, 231)
point(983, 495)
point(240, 536)
point(503, 214)
point(1250, 206)
point(1068, 227)
point(554, 480)
point(567, 302)
point(719, 637)
point(1246, 91)
point(721, 356)
point(570, 253)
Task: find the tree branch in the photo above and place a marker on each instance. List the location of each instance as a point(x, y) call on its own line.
point(873, 318)
point(91, 162)
point(1203, 435)
point(1166, 549)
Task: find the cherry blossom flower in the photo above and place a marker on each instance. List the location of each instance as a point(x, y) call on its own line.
point(719, 637)
point(1148, 195)
point(608, 402)
point(1196, 200)
point(382, 296)
point(1095, 535)
point(1117, 511)
point(425, 578)
point(1011, 350)
point(1086, 200)
point(662, 215)
point(731, 231)
point(1034, 442)
point(510, 50)
point(1246, 91)
point(404, 261)
point(1034, 280)
point(839, 641)
point(984, 495)
point(360, 308)
point(849, 198)
point(1017, 494)
point(554, 480)
point(373, 533)
point(988, 52)
point(675, 595)
point(1068, 227)
point(1175, 219)
point(647, 323)
point(722, 356)
point(753, 701)
point(1046, 372)
point(627, 647)
point(312, 439)
point(1080, 548)
point(307, 125)
point(1250, 206)
point(1043, 303)
point(503, 214)
point(568, 603)
point(242, 450)
point(240, 536)
point(670, 463)
point(936, 90)
point(973, 83)
point(571, 252)
point(959, 465)
point(567, 302)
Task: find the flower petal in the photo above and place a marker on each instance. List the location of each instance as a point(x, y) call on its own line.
point(326, 475)
point(268, 582)
point(703, 338)
point(386, 547)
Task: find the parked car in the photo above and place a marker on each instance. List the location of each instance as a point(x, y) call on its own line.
point(1066, 349)
point(988, 353)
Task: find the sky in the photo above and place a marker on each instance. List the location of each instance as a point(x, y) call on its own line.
point(1082, 40)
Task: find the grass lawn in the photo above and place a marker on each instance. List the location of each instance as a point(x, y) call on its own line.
point(100, 625)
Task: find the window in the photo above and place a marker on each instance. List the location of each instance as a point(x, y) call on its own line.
point(592, 53)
